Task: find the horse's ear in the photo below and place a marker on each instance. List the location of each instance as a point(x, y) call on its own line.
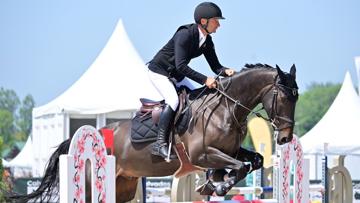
point(280, 72)
point(293, 71)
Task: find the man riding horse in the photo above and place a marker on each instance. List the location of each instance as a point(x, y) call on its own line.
point(215, 134)
point(170, 65)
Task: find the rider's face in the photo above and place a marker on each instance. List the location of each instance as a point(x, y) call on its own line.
point(213, 24)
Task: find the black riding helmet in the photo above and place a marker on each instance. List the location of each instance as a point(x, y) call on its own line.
point(207, 10)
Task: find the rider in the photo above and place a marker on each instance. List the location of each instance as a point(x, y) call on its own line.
point(170, 65)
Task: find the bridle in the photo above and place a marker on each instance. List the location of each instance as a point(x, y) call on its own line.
point(274, 117)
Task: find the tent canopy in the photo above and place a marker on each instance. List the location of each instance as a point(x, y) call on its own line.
point(339, 127)
point(114, 82)
point(24, 159)
point(109, 90)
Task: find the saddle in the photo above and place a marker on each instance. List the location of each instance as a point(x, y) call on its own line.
point(153, 107)
point(144, 124)
point(144, 128)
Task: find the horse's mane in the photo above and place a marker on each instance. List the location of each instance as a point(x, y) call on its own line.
point(256, 66)
point(247, 68)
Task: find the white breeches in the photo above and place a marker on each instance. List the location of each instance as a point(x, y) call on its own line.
point(166, 89)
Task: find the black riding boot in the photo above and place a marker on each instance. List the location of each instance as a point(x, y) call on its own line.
point(160, 147)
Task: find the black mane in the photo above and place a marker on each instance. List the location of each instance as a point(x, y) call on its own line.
point(254, 66)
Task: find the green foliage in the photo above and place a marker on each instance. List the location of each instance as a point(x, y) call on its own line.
point(25, 115)
point(6, 126)
point(9, 100)
point(2, 183)
point(15, 117)
point(313, 104)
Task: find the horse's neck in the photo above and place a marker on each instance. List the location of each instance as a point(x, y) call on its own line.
point(246, 88)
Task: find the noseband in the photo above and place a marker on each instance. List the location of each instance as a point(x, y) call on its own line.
point(274, 117)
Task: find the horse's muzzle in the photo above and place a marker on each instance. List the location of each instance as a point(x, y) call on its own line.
point(284, 136)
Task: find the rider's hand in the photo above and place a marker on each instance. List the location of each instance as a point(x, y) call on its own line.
point(210, 82)
point(229, 72)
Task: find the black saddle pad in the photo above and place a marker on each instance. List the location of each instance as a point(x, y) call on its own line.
point(144, 130)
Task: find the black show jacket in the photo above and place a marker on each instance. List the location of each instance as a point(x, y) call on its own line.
point(173, 59)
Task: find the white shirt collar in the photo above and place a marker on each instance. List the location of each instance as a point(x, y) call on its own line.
point(202, 37)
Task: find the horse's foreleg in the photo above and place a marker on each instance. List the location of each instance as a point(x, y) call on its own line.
point(256, 159)
point(233, 177)
point(214, 158)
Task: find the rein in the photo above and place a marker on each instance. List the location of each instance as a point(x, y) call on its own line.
point(273, 115)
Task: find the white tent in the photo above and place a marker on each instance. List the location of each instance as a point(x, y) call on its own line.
point(357, 65)
point(22, 164)
point(339, 128)
point(109, 89)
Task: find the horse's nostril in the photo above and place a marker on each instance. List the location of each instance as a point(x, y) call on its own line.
point(284, 140)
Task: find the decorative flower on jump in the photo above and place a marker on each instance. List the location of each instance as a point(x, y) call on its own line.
point(98, 150)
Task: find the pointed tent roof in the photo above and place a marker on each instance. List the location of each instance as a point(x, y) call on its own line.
point(340, 126)
point(24, 158)
point(114, 82)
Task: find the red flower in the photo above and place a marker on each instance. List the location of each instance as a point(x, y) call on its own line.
point(81, 165)
point(103, 197)
point(102, 162)
point(78, 192)
point(76, 179)
point(81, 146)
point(99, 185)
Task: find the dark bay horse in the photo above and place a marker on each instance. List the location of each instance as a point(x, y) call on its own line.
point(214, 140)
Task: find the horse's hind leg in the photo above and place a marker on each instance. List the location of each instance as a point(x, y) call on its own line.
point(125, 188)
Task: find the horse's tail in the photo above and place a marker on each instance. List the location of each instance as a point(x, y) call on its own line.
point(48, 188)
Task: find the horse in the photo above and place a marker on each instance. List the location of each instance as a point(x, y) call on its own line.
point(213, 139)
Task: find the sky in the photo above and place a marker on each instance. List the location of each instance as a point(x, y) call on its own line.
point(45, 46)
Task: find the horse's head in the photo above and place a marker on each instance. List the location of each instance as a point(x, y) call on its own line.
point(279, 102)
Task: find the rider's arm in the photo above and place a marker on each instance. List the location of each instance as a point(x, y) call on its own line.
point(183, 44)
point(211, 57)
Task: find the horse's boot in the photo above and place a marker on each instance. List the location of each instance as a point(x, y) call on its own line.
point(217, 175)
point(160, 147)
point(206, 189)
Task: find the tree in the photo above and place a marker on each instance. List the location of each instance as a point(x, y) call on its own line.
point(25, 115)
point(15, 117)
point(313, 104)
point(6, 127)
point(9, 100)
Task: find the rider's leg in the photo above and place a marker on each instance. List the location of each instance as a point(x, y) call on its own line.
point(167, 90)
point(160, 148)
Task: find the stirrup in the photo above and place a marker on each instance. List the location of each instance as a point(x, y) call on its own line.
point(156, 151)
